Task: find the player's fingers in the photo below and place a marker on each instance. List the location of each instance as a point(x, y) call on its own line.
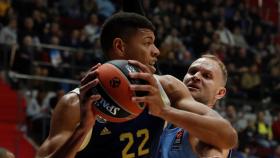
point(86, 78)
point(145, 88)
point(89, 77)
point(89, 85)
point(85, 90)
point(144, 76)
point(142, 67)
point(94, 67)
point(90, 101)
point(143, 99)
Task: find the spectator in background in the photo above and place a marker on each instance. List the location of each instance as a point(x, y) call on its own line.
point(242, 60)
point(4, 7)
point(67, 6)
point(272, 82)
point(50, 30)
point(105, 9)
point(196, 36)
point(92, 29)
point(38, 105)
point(8, 41)
point(89, 7)
point(226, 35)
point(27, 29)
point(98, 56)
point(4, 153)
point(82, 60)
point(251, 82)
point(8, 34)
point(257, 36)
point(39, 22)
point(264, 135)
point(38, 115)
point(24, 56)
point(55, 54)
point(215, 44)
point(261, 50)
point(231, 115)
point(174, 47)
point(60, 61)
point(74, 39)
point(247, 137)
point(239, 39)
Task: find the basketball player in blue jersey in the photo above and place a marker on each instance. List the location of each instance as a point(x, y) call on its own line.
point(74, 131)
point(191, 132)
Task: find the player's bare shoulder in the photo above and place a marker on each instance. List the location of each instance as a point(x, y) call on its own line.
point(167, 81)
point(66, 114)
point(174, 88)
point(69, 104)
point(170, 83)
point(68, 101)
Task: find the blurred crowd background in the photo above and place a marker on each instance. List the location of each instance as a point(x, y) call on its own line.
point(47, 46)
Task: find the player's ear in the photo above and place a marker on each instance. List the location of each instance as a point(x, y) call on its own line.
point(119, 47)
point(221, 93)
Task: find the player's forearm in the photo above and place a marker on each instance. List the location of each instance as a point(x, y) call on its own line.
point(72, 145)
point(212, 130)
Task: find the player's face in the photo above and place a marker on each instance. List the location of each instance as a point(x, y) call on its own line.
point(204, 79)
point(141, 47)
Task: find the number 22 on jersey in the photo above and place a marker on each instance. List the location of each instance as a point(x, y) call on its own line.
point(142, 134)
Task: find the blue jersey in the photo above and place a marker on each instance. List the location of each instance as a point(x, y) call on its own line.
point(137, 138)
point(174, 143)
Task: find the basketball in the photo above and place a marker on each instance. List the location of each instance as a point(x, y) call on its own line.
point(116, 104)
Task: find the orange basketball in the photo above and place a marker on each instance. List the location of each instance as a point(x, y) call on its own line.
point(116, 104)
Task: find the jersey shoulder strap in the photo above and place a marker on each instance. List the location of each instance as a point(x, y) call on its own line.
point(163, 95)
point(76, 90)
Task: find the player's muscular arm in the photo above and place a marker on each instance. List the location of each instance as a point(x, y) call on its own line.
point(71, 121)
point(64, 121)
point(66, 133)
point(200, 120)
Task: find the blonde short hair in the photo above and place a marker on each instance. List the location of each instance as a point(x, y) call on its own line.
point(220, 63)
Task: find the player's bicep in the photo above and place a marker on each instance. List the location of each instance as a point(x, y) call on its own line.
point(66, 115)
point(64, 120)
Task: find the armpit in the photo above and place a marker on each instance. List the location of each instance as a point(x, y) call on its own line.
point(208, 151)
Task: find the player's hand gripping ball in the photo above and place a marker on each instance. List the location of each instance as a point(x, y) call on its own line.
point(114, 81)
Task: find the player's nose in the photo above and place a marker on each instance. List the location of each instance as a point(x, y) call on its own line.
point(155, 51)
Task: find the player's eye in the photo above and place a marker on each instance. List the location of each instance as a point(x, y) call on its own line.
point(192, 72)
point(148, 43)
point(207, 75)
